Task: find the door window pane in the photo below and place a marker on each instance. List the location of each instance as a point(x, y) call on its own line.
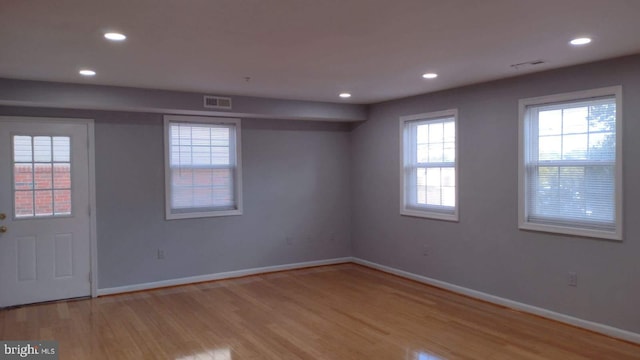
point(61, 147)
point(42, 148)
point(41, 176)
point(62, 202)
point(23, 176)
point(44, 202)
point(24, 203)
point(62, 176)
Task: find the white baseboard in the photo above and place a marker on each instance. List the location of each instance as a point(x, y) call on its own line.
point(219, 276)
point(585, 324)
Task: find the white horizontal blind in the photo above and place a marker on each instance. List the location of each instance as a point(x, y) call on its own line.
point(570, 164)
point(202, 165)
point(430, 165)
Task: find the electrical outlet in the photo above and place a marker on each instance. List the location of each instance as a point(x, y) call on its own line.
point(426, 250)
point(160, 254)
point(573, 279)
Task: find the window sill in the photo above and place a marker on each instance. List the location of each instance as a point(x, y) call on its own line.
point(429, 215)
point(196, 215)
point(565, 230)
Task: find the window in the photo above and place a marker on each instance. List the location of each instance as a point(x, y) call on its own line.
point(429, 165)
point(41, 176)
point(570, 164)
point(202, 167)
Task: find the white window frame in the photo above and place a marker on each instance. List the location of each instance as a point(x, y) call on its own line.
point(428, 211)
point(586, 95)
point(168, 119)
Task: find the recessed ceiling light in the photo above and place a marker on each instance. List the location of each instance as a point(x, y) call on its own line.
point(430, 75)
point(87, 72)
point(113, 36)
point(345, 95)
point(580, 41)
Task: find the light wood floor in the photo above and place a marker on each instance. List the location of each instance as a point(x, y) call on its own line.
point(334, 312)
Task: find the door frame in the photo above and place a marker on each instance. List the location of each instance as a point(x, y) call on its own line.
point(93, 233)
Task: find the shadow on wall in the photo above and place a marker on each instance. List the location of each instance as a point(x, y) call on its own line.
point(294, 125)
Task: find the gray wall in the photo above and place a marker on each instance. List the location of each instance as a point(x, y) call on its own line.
point(485, 250)
point(296, 185)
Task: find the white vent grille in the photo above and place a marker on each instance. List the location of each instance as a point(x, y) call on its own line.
point(217, 102)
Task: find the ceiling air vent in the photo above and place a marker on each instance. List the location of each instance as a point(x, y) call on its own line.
point(217, 102)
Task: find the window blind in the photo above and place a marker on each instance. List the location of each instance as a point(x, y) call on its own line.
point(202, 165)
point(570, 164)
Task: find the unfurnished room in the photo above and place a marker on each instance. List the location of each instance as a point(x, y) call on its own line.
point(319, 179)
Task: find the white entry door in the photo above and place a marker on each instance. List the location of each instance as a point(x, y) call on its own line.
point(45, 227)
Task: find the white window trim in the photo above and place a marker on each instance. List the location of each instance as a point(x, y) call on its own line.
point(426, 213)
point(522, 205)
point(167, 173)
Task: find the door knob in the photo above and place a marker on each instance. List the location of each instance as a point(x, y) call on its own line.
point(3, 229)
point(3, 216)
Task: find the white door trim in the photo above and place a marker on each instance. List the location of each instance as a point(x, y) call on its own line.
point(93, 233)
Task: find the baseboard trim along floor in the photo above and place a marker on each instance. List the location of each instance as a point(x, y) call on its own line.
point(219, 276)
point(581, 323)
point(585, 324)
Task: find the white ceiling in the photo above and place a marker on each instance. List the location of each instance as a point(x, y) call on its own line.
point(307, 49)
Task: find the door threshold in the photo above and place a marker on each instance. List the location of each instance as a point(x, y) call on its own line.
point(46, 302)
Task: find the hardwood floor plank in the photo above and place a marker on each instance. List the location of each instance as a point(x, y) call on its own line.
point(334, 312)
